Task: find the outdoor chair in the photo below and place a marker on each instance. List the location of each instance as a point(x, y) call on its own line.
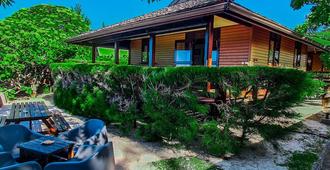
point(88, 157)
point(93, 132)
point(7, 162)
point(12, 135)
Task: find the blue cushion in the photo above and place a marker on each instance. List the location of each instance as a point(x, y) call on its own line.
point(1, 148)
point(85, 151)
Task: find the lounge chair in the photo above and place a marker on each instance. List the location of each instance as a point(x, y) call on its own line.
point(88, 157)
point(7, 162)
point(12, 135)
point(93, 132)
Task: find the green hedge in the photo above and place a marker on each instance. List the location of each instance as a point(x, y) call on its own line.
point(163, 100)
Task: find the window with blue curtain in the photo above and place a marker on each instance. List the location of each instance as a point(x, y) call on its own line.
point(182, 57)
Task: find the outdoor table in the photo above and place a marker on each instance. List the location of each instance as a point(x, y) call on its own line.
point(31, 111)
point(36, 150)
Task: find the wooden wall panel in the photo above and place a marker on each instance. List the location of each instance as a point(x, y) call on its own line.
point(165, 46)
point(304, 54)
point(287, 52)
point(260, 46)
point(317, 63)
point(235, 45)
point(136, 52)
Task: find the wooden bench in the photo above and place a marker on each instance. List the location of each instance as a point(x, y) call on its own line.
point(29, 114)
point(36, 125)
point(59, 122)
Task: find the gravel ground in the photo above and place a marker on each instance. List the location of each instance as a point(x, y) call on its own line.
point(132, 154)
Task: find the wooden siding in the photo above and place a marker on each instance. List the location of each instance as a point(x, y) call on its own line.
point(317, 64)
point(304, 53)
point(165, 46)
point(235, 44)
point(136, 52)
point(287, 52)
point(260, 47)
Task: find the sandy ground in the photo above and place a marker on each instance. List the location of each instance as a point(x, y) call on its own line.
point(132, 154)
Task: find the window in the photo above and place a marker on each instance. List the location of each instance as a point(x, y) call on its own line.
point(297, 55)
point(274, 50)
point(180, 45)
point(182, 56)
point(145, 51)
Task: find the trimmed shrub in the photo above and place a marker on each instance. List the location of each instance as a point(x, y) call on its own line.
point(163, 100)
point(217, 142)
point(302, 160)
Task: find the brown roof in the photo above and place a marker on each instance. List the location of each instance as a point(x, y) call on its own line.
point(191, 4)
point(180, 10)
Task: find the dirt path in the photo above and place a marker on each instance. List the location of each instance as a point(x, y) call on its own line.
point(326, 163)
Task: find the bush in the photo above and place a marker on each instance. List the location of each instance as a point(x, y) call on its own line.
point(184, 163)
point(271, 131)
point(216, 141)
point(302, 161)
point(31, 39)
point(163, 100)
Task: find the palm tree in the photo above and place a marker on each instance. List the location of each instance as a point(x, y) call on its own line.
point(5, 3)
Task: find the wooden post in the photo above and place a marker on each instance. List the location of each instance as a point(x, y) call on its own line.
point(209, 46)
point(94, 54)
point(116, 52)
point(129, 54)
point(210, 32)
point(152, 45)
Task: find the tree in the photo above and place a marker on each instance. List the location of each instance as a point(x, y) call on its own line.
point(33, 38)
point(78, 9)
point(319, 16)
point(5, 3)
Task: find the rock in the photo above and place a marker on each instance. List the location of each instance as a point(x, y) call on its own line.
point(228, 156)
point(3, 100)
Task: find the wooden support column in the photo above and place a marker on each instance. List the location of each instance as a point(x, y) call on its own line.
point(116, 47)
point(94, 54)
point(209, 40)
point(209, 46)
point(152, 56)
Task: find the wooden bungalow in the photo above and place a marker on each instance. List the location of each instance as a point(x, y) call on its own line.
point(214, 33)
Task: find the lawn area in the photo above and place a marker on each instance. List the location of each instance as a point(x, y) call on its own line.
point(108, 54)
point(184, 163)
point(111, 52)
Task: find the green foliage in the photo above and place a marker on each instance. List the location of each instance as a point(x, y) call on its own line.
point(183, 163)
point(9, 93)
point(325, 58)
point(321, 37)
point(272, 131)
point(302, 161)
point(216, 141)
point(166, 115)
point(5, 3)
point(31, 39)
point(319, 16)
point(163, 100)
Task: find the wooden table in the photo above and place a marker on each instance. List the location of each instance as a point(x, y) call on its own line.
point(31, 111)
point(34, 149)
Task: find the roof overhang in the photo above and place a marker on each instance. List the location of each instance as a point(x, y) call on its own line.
point(241, 13)
point(185, 15)
point(153, 25)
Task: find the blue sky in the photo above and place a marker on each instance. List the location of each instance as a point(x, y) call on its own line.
point(113, 11)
